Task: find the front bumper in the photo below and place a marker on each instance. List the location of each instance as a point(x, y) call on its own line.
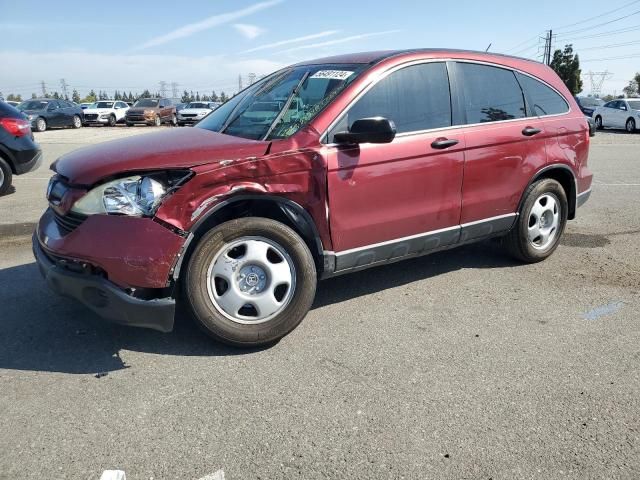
point(103, 297)
point(190, 120)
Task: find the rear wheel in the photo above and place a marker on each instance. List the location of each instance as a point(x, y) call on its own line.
point(5, 176)
point(250, 281)
point(41, 124)
point(598, 120)
point(630, 125)
point(541, 222)
point(77, 121)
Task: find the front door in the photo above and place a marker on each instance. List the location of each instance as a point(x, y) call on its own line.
point(401, 198)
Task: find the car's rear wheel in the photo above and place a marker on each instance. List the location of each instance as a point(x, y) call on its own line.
point(5, 176)
point(541, 222)
point(250, 281)
point(41, 124)
point(112, 120)
point(598, 121)
point(630, 125)
point(157, 121)
point(77, 121)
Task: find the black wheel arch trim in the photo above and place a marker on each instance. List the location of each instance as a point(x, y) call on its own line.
point(297, 214)
point(8, 157)
point(572, 196)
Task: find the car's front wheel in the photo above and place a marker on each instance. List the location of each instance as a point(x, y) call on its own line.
point(631, 125)
point(41, 124)
point(174, 120)
point(5, 177)
point(598, 121)
point(157, 121)
point(541, 222)
point(77, 121)
point(112, 120)
point(250, 281)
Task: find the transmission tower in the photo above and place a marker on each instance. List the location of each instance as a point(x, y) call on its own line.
point(239, 82)
point(63, 86)
point(597, 80)
point(174, 89)
point(163, 88)
point(252, 78)
point(44, 88)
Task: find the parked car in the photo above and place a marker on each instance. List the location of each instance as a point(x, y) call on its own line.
point(19, 153)
point(194, 112)
point(45, 113)
point(86, 105)
point(368, 159)
point(622, 113)
point(152, 111)
point(106, 112)
point(589, 104)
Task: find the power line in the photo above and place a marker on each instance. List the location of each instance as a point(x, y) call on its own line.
point(598, 16)
point(603, 34)
point(622, 57)
point(522, 43)
point(614, 45)
point(601, 24)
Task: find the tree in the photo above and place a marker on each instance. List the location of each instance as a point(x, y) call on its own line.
point(633, 89)
point(33, 95)
point(214, 96)
point(223, 97)
point(14, 98)
point(567, 65)
point(75, 96)
point(197, 96)
point(185, 97)
point(146, 94)
point(56, 95)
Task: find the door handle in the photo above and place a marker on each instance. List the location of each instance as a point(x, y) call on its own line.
point(530, 131)
point(442, 143)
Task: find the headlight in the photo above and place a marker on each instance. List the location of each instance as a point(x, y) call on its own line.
point(134, 196)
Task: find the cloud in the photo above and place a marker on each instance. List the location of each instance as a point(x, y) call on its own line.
point(24, 70)
point(214, 21)
point(339, 40)
point(248, 31)
point(314, 36)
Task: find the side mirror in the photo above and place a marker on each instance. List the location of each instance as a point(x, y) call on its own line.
point(368, 130)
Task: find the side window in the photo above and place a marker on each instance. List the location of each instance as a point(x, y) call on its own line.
point(610, 105)
point(545, 100)
point(415, 98)
point(490, 93)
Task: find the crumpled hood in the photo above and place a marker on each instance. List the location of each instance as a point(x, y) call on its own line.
point(175, 148)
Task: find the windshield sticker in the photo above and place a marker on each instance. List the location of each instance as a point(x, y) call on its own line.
point(332, 74)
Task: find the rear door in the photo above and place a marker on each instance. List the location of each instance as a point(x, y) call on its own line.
point(504, 146)
point(55, 114)
point(390, 200)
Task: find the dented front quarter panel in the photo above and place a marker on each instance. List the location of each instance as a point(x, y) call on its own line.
point(294, 169)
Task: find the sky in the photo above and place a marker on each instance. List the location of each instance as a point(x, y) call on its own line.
point(204, 45)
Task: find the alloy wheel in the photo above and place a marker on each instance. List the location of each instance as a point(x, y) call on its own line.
point(251, 280)
point(544, 220)
point(631, 125)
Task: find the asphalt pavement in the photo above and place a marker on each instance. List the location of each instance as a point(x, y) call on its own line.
point(462, 364)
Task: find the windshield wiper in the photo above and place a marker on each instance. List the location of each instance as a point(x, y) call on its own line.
point(287, 104)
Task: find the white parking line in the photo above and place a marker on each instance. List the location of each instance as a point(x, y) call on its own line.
point(113, 475)
point(219, 475)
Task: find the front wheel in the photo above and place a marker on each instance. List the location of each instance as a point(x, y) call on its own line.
point(157, 121)
point(41, 125)
point(174, 120)
point(5, 177)
point(112, 120)
point(630, 125)
point(541, 222)
point(77, 122)
point(250, 281)
point(598, 120)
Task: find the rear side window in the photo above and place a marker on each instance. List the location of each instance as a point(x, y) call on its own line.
point(545, 100)
point(415, 98)
point(491, 94)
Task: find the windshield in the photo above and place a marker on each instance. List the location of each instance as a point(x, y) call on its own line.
point(33, 105)
point(282, 103)
point(198, 105)
point(591, 102)
point(104, 105)
point(147, 102)
point(634, 104)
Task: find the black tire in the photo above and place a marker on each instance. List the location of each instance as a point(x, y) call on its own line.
point(180, 124)
point(517, 240)
point(112, 121)
point(174, 120)
point(76, 121)
point(129, 124)
point(157, 121)
point(630, 125)
point(41, 124)
point(219, 326)
point(599, 124)
point(6, 176)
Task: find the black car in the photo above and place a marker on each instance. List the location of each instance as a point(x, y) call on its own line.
point(589, 104)
point(19, 153)
point(48, 112)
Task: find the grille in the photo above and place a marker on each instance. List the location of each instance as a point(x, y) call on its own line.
point(189, 115)
point(69, 222)
point(91, 116)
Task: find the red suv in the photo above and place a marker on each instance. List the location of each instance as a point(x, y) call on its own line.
point(322, 168)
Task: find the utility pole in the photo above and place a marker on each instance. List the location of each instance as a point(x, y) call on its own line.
point(44, 88)
point(63, 86)
point(239, 82)
point(163, 88)
point(174, 89)
point(547, 47)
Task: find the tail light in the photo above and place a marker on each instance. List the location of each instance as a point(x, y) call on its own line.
point(17, 127)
